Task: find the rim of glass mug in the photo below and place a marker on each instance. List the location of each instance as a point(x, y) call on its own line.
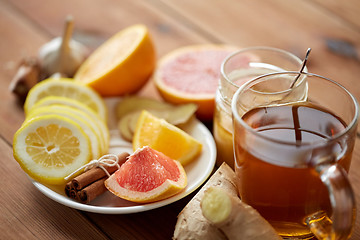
point(224, 74)
point(259, 79)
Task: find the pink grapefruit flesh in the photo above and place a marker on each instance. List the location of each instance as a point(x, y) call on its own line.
point(191, 75)
point(195, 72)
point(147, 176)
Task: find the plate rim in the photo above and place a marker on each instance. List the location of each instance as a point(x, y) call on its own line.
point(64, 200)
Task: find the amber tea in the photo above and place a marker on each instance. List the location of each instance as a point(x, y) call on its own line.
point(292, 156)
point(284, 189)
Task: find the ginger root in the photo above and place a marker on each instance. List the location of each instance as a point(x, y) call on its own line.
point(27, 76)
point(236, 219)
point(216, 212)
point(191, 223)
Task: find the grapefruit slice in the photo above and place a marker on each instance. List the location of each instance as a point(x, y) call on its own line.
point(147, 176)
point(191, 75)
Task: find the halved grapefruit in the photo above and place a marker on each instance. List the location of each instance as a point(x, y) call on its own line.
point(147, 176)
point(191, 75)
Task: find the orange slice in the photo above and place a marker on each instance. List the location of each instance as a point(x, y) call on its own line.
point(166, 138)
point(147, 176)
point(191, 75)
point(121, 65)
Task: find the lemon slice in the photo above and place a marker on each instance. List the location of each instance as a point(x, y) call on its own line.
point(80, 118)
point(51, 147)
point(122, 64)
point(54, 100)
point(68, 88)
point(166, 138)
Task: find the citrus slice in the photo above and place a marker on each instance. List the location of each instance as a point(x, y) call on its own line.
point(81, 119)
point(55, 100)
point(147, 176)
point(66, 87)
point(51, 147)
point(191, 75)
point(121, 65)
point(83, 115)
point(166, 138)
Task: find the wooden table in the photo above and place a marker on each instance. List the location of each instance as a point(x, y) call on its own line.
point(25, 25)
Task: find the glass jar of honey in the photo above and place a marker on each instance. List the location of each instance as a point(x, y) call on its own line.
point(237, 69)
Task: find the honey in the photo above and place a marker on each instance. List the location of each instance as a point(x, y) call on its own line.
point(236, 70)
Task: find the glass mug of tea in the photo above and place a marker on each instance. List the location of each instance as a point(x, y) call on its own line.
point(292, 157)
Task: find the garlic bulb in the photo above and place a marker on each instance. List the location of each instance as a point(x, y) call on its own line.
point(62, 54)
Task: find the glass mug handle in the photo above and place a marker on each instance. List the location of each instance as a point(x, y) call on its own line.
point(343, 205)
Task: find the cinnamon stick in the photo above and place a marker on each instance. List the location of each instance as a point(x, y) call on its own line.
point(70, 190)
point(90, 184)
point(89, 193)
point(91, 176)
point(95, 174)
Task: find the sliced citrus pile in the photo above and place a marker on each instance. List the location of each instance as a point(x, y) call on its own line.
point(65, 127)
point(66, 88)
point(121, 65)
point(147, 176)
point(191, 75)
point(85, 121)
point(91, 115)
point(166, 138)
point(50, 147)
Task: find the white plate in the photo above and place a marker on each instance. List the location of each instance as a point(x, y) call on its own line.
point(197, 173)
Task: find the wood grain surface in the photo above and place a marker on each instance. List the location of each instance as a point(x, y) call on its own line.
point(25, 25)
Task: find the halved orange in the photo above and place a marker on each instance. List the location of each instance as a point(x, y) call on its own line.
point(147, 176)
point(121, 65)
point(191, 74)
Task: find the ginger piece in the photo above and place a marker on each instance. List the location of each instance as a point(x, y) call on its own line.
point(236, 219)
point(129, 110)
point(27, 76)
point(191, 223)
